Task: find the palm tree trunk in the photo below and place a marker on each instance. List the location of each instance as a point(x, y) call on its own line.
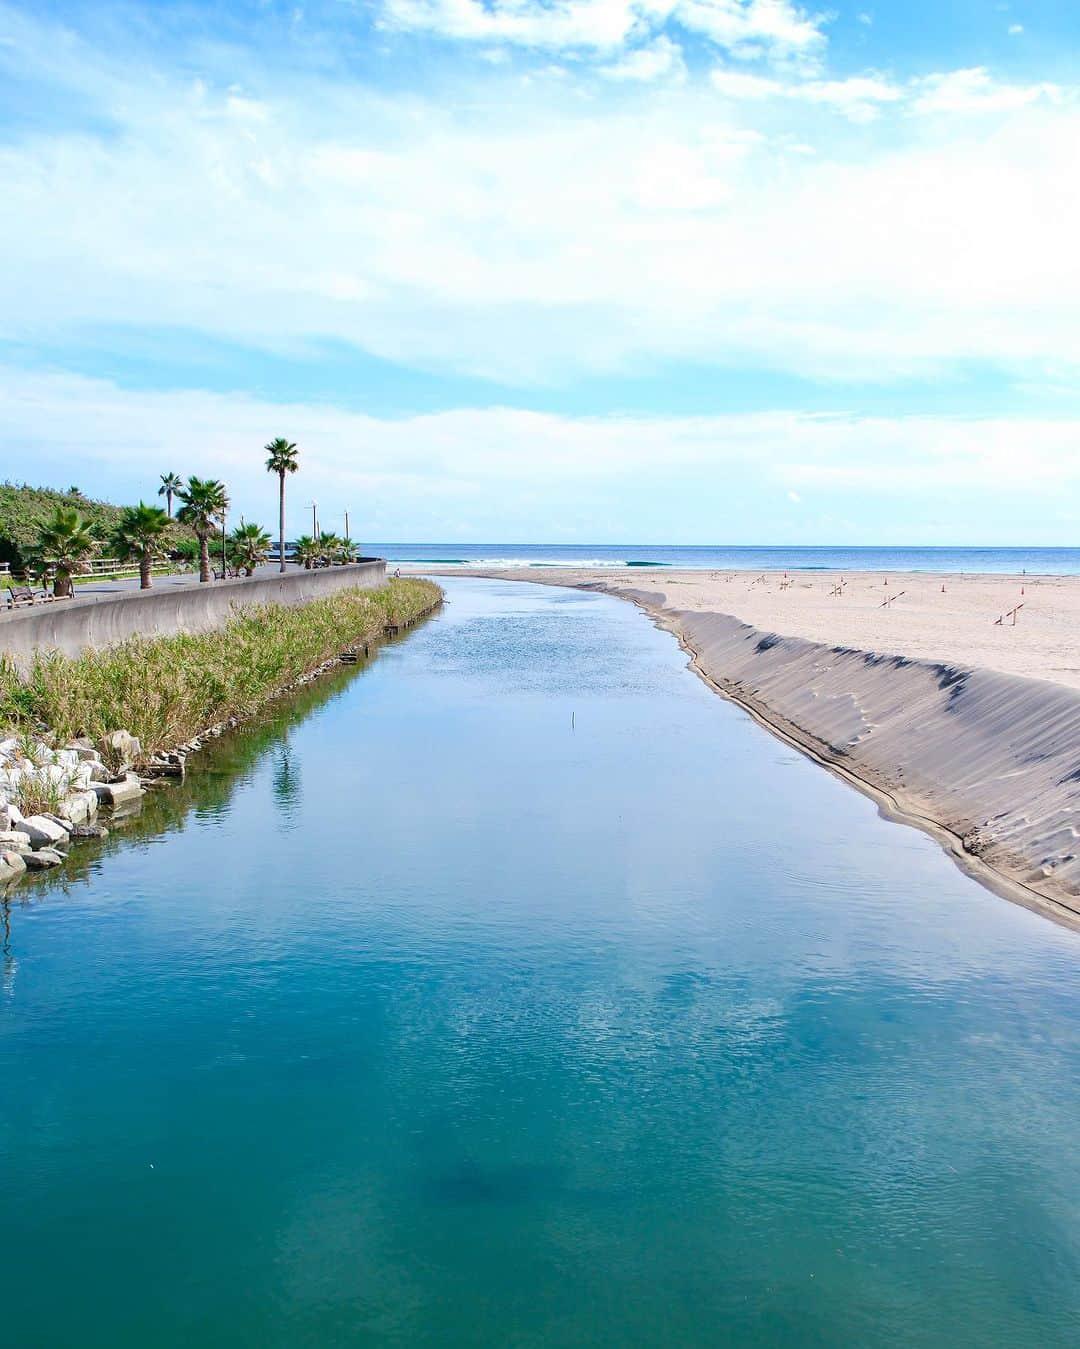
point(204, 557)
point(61, 581)
point(145, 574)
point(168, 501)
point(281, 521)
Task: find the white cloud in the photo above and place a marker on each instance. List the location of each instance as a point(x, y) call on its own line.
point(536, 235)
point(688, 478)
point(859, 98)
point(601, 25)
point(745, 28)
point(661, 59)
point(738, 84)
point(1015, 29)
point(975, 90)
point(751, 28)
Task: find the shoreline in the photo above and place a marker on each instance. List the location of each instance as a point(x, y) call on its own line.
point(889, 806)
point(977, 758)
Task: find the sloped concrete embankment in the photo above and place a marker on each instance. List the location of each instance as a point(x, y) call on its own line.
point(99, 621)
point(988, 762)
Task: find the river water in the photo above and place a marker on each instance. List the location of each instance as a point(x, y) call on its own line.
point(517, 990)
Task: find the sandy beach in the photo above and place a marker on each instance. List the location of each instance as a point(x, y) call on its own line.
point(963, 726)
point(934, 617)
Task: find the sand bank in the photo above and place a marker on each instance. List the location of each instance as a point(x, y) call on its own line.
point(966, 728)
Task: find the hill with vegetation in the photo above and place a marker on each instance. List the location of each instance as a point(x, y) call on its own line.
point(23, 510)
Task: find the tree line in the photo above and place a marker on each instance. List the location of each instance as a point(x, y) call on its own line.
point(67, 542)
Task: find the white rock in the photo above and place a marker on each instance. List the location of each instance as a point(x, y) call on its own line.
point(67, 759)
point(79, 807)
point(43, 831)
point(11, 865)
point(44, 857)
point(81, 778)
point(14, 838)
point(116, 793)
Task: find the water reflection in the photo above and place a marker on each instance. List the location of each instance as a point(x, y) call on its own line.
point(520, 991)
point(214, 774)
point(287, 785)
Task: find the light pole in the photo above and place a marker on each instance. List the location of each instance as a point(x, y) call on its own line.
point(315, 521)
point(224, 556)
point(348, 544)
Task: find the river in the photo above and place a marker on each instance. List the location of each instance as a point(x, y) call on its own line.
point(517, 990)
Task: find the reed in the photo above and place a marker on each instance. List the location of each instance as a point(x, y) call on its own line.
point(167, 690)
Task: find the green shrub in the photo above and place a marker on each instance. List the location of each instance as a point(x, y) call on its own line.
point(166, 690)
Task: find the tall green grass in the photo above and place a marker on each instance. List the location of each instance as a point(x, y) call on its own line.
point(166, 690)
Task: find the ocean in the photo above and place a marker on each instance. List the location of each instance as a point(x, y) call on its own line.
point(1033, 561)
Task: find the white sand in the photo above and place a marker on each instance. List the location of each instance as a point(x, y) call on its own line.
point(969, 729)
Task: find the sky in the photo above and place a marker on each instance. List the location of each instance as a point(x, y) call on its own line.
point(608, 271)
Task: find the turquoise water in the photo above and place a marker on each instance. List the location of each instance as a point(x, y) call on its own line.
point(516, 990)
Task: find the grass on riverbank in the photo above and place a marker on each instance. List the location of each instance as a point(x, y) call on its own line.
point(166, 690)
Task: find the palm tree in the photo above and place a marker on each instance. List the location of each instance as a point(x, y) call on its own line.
point(330, 547)
point(170, 486)
point(66, 542)
point(306, 550)
point(140, 532)
point(205, 503)
point(281, 459)
point(250, 545)
point(346, 548)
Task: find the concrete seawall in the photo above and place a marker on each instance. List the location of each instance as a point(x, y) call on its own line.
point(76, 625)
point(987, 762)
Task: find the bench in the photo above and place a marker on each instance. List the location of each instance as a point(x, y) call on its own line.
point(20, 595)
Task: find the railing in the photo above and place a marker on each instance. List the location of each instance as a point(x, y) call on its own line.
point(99, 567)
point(116, 566)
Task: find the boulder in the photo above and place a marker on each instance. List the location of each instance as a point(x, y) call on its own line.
point(167, 766)
point(78, 808)
point(12, 864)
point(121, 750)
point(89, 831)
point(44, 833)
point(118, 793)
point(14, 840)
point(42, 859)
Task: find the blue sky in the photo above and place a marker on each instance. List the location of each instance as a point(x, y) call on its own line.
point(585, 270)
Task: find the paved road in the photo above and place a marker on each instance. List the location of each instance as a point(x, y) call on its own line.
point(180, 578)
